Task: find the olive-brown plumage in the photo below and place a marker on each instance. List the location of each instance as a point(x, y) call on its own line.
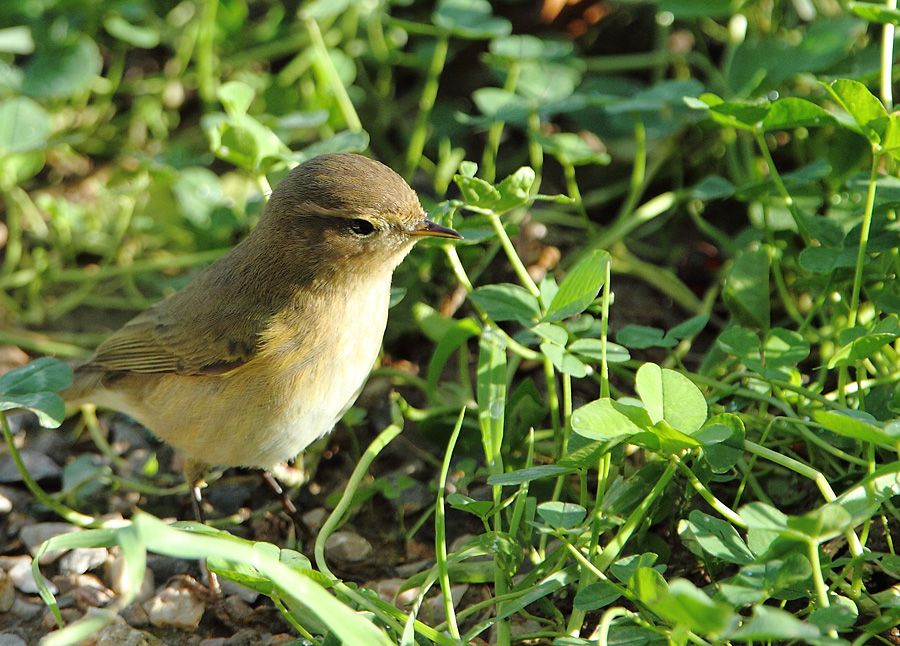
point(265, 350)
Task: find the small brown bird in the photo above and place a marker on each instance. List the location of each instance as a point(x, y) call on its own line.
point(265, 350)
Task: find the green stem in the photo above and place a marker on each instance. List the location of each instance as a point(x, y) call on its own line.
point(337, 518)
point(614, 548)
point(74, 517)
point(513, 257)
point(863, 241)
point(724, 510)
point(638, 171)
point(440, 531)
point(206, 55)
point(821, 481)
point(492, 144)
point(326, 66)
point(760, 137)
point(426, 104)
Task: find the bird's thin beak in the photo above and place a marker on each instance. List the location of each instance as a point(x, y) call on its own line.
point(430, 229)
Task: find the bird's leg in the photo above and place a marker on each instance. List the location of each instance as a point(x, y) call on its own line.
point(301, 531)
point(279, 491)
point(194, 473)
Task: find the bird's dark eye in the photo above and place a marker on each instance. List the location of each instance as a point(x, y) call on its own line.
point(361, 227)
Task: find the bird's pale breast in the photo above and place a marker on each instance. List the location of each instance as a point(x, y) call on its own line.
point(290, 394)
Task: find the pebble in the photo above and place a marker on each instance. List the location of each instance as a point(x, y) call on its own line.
point(349, 547)
point(34, 535)
point(176, 606)
point(6, 503)
point(39, 466)
point(124, 635)
point(230, 587)
point(391, 590)
point(315, 518)
point(434, 608)
point(135, 615)
point(25, 609)
point(93, 596)
point(23, 578)
point(7, 592)
point(11, 639)
point(116, 578)
point(83, 559)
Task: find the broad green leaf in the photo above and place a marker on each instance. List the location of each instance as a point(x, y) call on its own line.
point(769, 623)
point(236, 97)
point(864, 500)
point(64, 71)
point(759, 515)
point(24, 126)
point(648, 585)
point(746, 290)
point(689, 328)
point(712, 187)
point(767, 62)
point(685, 604)
point(757, 582)
point(580, 287)
point(784, 348)
point(506, 302)
point(514, 190)
point(874, 12)
point(470, 19)
point(348, 141)
point(824, 260)
point(723, 441)
point(49, 407)
point(641, 337)
point(530, 473)
point(740, 342)
point(572, 149)
point(822, 524)
point(564, 361)
point(794, 112)
point(885, 331)
point(524, 47)
point(476, 192)
point(672, 397)
point(41, 375)
point(625, 567)
point(719, 538)
point(501, 105)
point(480, 508)
point(664, 438)
point(839, 616)
point(853, 424)
point(605, 419)
point(598, 594)
point(561, 515)
point(592, 349)
point(865, 108)
point(551, 332)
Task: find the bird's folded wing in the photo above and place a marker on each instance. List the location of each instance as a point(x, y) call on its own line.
point(150, 345)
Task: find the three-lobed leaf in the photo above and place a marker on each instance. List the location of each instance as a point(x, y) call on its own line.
point(34, 387)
